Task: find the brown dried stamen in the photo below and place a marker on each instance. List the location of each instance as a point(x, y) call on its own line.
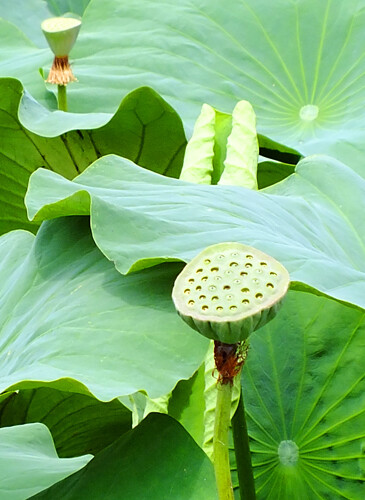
point(61, 73)
point(229, 359)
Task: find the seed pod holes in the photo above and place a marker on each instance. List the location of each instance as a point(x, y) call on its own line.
point(230, 302)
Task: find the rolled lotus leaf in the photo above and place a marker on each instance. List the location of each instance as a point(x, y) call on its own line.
point(61, 34)
point(230, 290)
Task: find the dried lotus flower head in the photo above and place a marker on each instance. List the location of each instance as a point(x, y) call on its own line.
point(61, 34)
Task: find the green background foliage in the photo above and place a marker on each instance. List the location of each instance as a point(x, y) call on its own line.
point(76, 333)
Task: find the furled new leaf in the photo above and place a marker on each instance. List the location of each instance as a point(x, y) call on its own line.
point(223, 149)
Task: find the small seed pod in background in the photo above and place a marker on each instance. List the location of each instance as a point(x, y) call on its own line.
point(61, 34)
point(230, 290)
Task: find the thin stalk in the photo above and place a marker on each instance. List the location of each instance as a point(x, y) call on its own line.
point(220, 442)
point(62, 97)
point(242, 451)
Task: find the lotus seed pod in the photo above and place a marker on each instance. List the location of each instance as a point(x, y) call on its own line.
point(61, 34)
point(230, 290)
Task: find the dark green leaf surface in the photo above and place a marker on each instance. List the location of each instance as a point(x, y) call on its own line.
point(304, 391)
point(312, 222)
point(269, 173)
point(78, 423)
point(299, 63)
point(158, 460)
point(69, 319)
point(145, 129)
point(29, 462)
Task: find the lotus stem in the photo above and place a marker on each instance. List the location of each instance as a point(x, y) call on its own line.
point(220, 441)
point(62, 97)
point(242, 451)
point(228, 360)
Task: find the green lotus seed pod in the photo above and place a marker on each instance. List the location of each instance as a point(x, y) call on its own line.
point(230, 290)
point(61, 34)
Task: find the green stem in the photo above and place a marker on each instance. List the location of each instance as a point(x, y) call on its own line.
point(220, 442)
point(62, 98)
point(242, 451)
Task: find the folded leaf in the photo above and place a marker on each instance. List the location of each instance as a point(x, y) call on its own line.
point(69, 320)
point(29, 462)
point(307, 223)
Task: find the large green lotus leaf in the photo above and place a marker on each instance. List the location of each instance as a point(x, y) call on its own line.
point(304, 391)
point(312, 222)
point(78, 423)
point(69, 319)
point(299, 63)
point(156, 460)
point(144, 128)
point(25, 14)
point(29, 462)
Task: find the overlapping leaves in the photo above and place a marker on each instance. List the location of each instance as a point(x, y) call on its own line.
point(78, 423)
point(144, 128)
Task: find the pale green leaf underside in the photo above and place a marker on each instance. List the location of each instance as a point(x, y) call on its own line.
point(312, 222)
point(299, 63)
point(101, 345)
point(29, 462)
point(144, 128)
point(312, 393)
point(156, 460)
